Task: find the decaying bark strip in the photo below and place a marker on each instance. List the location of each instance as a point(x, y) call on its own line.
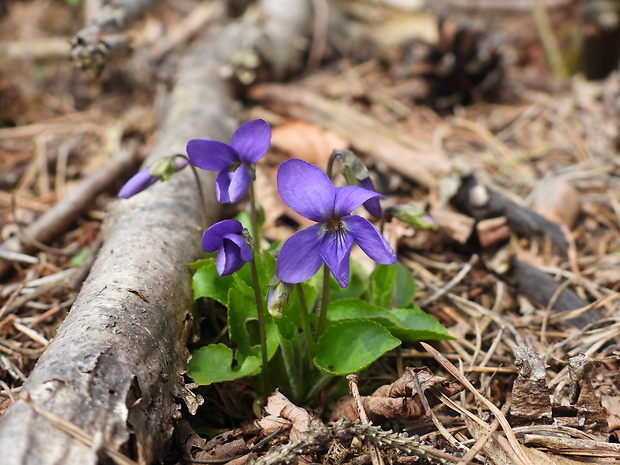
point(482, 202)
point(542, 288)
point(115, 366)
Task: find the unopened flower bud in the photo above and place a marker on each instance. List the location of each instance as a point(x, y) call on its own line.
point(277, 296)
point(413, 215)
point(165, 167)
point(162, 169)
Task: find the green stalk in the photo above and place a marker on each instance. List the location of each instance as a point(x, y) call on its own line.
point(330, 163)
point(261, 319)
point(306, 320)
point(254, 219)
point(323, 303)
point(201, 197)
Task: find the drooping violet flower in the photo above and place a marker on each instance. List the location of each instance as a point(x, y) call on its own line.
point(372, 205)
point(234, 161)
point(162, 169)
point(308, 191)
point(356, 173)
point(233, 250)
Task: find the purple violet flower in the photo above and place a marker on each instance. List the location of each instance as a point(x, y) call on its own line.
point(372, 205)
point(233, 250)
point(234, 161)
point(308, 191)
point(162, 169)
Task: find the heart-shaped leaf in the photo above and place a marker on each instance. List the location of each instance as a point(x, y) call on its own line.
point(213, 364)
point(349, 346)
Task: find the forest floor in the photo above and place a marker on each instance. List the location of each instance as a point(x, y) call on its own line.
point(493, 114)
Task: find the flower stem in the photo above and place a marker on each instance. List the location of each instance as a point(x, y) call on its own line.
point(256, 233)
point(201, 198)
point(330, 163)
point(261, 319)
point(305, 320)
point(323, 303)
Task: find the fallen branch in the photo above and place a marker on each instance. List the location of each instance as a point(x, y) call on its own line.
point(115, 367)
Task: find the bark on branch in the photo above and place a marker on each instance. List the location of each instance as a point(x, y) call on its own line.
point(115, 367)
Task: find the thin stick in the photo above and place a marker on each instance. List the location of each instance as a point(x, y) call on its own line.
point(498, 414)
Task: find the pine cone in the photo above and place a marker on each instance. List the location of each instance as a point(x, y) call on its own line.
point(462, 67)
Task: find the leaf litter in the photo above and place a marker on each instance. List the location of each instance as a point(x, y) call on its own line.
point(535, 361)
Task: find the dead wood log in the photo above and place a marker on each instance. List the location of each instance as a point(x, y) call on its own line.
point(116, 362)
point(542, 288)
point(115, 367)
point(482, 202)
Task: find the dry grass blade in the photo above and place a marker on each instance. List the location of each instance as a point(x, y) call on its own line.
point(519, 455)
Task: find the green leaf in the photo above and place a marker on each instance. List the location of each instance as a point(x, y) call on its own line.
point(348, 309)
point(404, 286)
point(207, 283)
point(350, 346)
point(243, 327)
point(213, 364)
point(391, 286)
point(417, 325)
point(358, 283)
point(410, 324)
point(381, 286)
point(79, 258)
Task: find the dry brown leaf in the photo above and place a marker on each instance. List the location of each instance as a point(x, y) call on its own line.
point(306, 141)
point(399, 400)
point(283, 414)
point(612, 404)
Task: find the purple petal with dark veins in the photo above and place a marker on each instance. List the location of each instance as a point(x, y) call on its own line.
point(306, 189)
point(300, 259)
point(335, 250)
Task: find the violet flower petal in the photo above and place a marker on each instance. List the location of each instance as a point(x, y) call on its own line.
point(222, 186)
point(306, 189)
point(335, 250)
point(370, 240)
point(239, 183)
point(213, 237)
point(372, 205)
point(251, 140)
point(211, 155)
point(232, 255)
point(137, 183)
point(348, 198)
point(300, 259)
